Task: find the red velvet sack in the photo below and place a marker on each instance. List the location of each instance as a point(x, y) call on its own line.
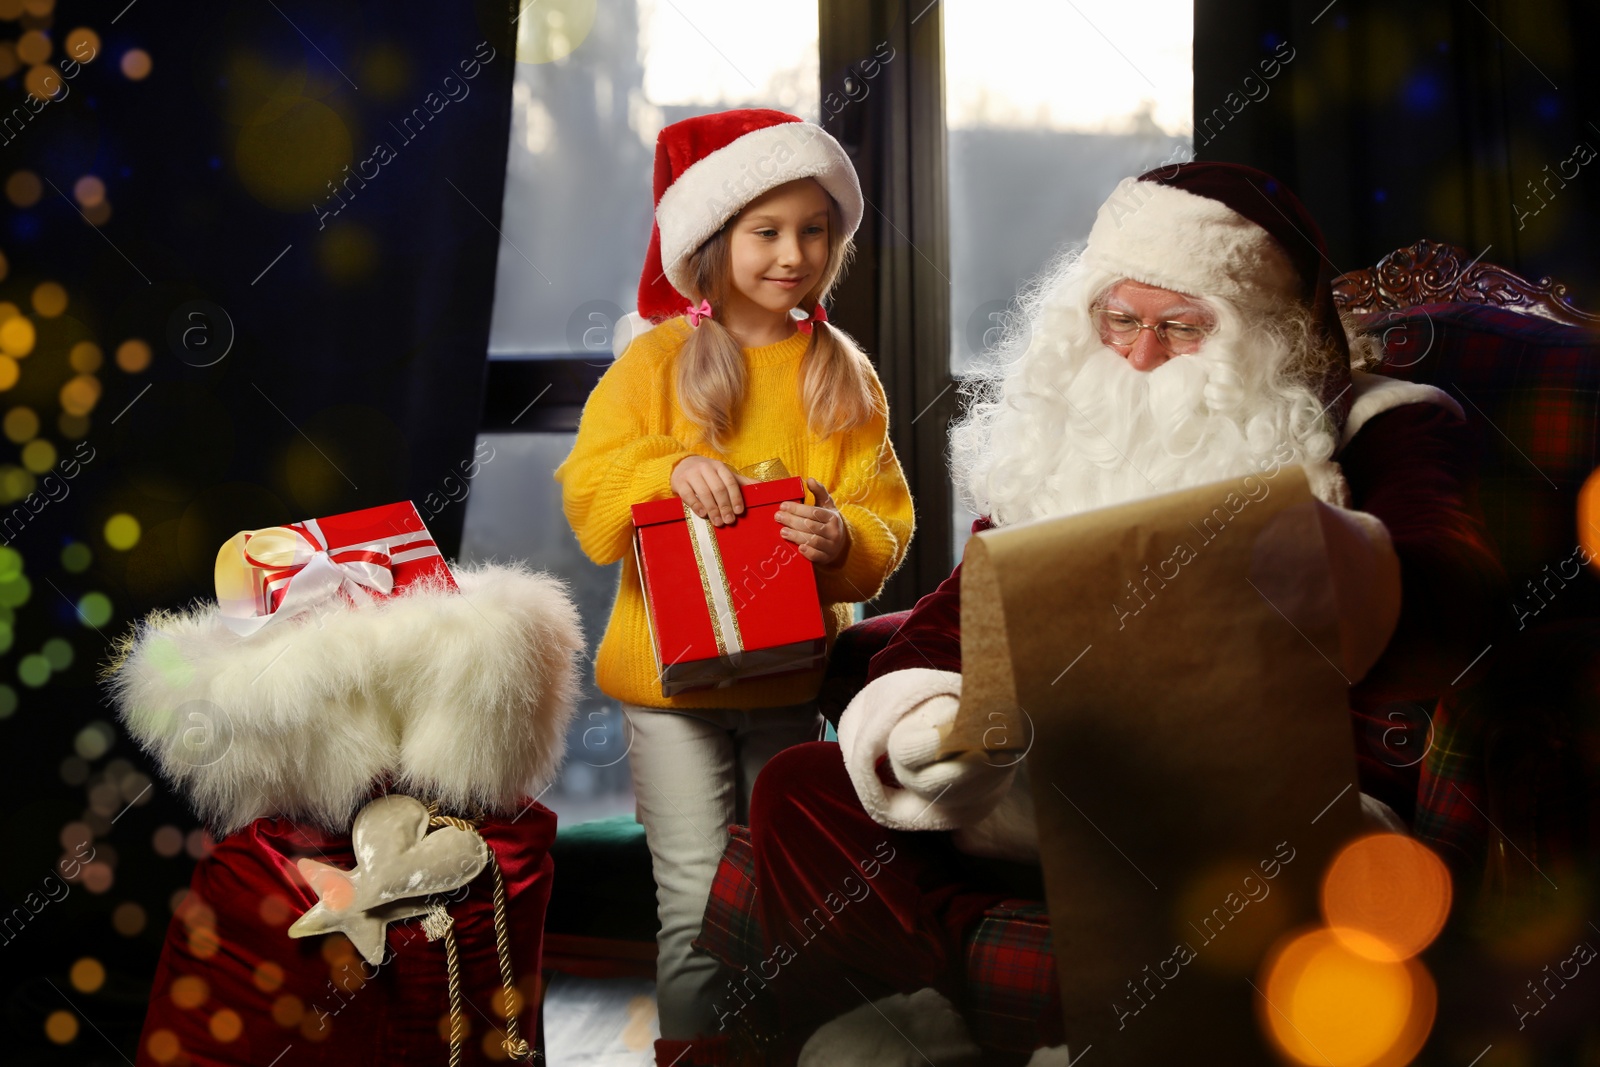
point(234, 989)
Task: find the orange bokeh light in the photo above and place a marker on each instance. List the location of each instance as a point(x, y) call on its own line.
point(1324, 1004)
point(136, 64)
point(1589, 518)
point(1392, 889)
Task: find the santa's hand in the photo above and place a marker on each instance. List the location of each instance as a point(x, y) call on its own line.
point(957, 785)
point(896, 720)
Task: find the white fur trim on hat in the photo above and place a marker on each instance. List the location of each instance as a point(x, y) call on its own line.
point(1172, 239)
point(718, 186)
point(463, 697)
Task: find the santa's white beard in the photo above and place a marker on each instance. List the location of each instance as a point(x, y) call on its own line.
point(1112, 434)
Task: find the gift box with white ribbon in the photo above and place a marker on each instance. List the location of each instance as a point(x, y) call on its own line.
point(727, 602)
point(275, 573)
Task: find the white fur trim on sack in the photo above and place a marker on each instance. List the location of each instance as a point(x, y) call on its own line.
point(463, 697)
point(1374, 394)
point(1172, 239)
point(718, 186)
point(901, 1030)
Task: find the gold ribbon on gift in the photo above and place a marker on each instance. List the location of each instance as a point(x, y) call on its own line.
point(768, 470)
point(715, 586)
point(252, 559)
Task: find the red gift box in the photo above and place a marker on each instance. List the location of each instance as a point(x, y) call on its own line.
point(374, 552)
point(727, 602)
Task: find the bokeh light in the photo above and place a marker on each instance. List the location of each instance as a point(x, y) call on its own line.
point(136, 64)
point(94, 609)
point(94, 740)
point(38, 455)
point(553, 31)
point(268, 976)
point(122, 531)
point(33, 670)
point(1589, 519)
point(49, 299)
point(58, 652)
point(128, 919)
point(167, 841)
point(33, 47)
point(44, 82)
point(75, 558)
point(226, 1025)
point(21, 424)
point(287, 1010)
point(190, 991)
point(1324, 1004)
point(85, 357)
point(87, 975)
point(17, 336)
point(285, 163)
point(9, 372)
point(61, 1027)
point(163, 1046)
point(88, 190)
point(23, 188)
point(97, 877)
point(133, 355)
point(15, 592)
point(80, 394)
point(1390, 888)
point(83, 44)
point(8, 701)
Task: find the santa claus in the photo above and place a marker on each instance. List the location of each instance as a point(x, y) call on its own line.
point(1193, 339)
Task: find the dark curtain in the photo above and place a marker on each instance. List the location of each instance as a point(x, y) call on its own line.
point(316, 343)
point(1470, 121)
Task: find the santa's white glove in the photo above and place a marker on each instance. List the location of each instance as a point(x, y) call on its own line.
point(898, 717)
point(968, 786)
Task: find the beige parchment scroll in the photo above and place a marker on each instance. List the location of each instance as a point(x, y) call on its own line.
point(1171, 669)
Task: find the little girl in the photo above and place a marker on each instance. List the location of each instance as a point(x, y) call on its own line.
point(755, 211)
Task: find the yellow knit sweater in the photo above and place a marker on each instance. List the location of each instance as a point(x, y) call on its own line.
point(631, 436)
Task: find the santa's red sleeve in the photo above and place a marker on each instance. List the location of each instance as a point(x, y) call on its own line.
point(931, 635)
point(1413, 467)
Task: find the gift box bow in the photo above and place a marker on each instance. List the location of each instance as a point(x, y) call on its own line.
point(281, 571)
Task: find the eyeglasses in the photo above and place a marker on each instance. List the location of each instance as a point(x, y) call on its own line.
point(1176, 337)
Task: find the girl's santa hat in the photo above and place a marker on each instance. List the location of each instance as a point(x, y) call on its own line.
point(1231, 231)
point(710, 166)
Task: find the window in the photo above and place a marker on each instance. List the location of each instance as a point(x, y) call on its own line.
point(1042, 125)
point(578, 209)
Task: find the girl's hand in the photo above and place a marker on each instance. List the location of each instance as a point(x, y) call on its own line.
point(819, 532)
point(711, 488)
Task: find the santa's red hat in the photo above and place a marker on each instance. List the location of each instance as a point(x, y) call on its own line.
point(710, 166)
point(1225, 230)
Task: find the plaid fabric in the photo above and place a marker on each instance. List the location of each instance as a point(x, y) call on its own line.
point(1504, 792)
point(1013, 997)
point(731, 931)
point(1013, 1000)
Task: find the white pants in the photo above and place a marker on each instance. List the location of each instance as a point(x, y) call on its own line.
point(693, 770)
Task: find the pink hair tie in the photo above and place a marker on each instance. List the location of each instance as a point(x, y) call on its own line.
point(807, 324)
point(695, 314)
